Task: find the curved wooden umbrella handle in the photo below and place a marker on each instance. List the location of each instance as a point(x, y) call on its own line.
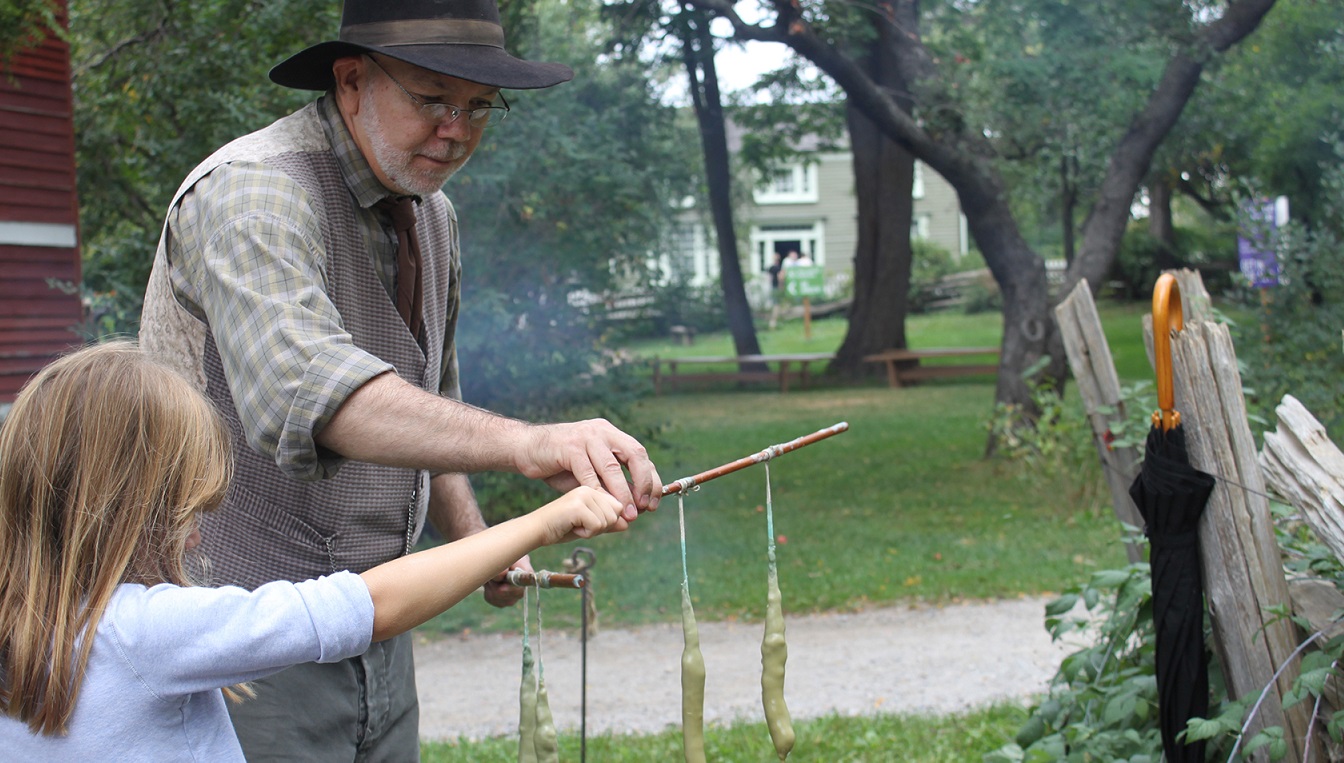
point(1167, 317)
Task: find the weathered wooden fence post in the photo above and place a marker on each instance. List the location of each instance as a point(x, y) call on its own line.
point(1306, 470)
point(1242, 564)
point(1099, 388)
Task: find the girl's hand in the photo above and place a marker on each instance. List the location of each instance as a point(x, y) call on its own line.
point(584, 512)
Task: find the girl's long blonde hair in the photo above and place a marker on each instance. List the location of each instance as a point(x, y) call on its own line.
point(106, 459)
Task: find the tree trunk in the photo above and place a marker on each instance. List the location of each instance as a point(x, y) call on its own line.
point(1068, 203)
point(1029, 329)
point(1160, 225)
point(698, 55)
point(884, 175)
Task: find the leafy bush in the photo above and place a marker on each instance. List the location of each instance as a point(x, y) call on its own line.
point(678, 303)
point(1141, 258)
point(142, 119)
point(929, 264)
point(653, 310)
point(1293, 344)
point(1056, 446)
point(1102, 704)
point(982, 296)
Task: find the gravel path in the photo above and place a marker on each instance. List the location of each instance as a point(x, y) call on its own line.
point(919, 659)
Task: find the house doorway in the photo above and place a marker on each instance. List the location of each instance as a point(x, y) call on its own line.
point(768, 239)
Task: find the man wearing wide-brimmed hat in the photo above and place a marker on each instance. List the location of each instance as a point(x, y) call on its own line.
point(308, 280)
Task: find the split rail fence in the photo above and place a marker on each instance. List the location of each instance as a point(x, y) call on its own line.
point(1241, 562)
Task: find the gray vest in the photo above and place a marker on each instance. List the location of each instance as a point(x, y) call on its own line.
point(271, 526)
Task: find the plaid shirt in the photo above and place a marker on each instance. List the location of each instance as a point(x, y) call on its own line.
point(249, 260)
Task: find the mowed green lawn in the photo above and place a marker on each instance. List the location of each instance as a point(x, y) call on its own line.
point(1122, 321)
point(902, 507)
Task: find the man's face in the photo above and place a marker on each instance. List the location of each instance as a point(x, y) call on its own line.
point(409, 153)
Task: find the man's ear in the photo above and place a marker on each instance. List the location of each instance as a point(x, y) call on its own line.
point(348, 73)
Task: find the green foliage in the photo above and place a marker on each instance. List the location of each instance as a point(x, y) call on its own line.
point(929, 263)
point(24, 24)
point(1102, 701)
point(797, 117)
point(1277, 100)
point(157, 89)
point(678, 303)
point(1293, 344)
point(1102, 704)
point(1141, 258)
point(1032, 69)
point(1056, 445)
point(577, 186)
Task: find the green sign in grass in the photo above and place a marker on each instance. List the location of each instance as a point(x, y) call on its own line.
point(804, 281)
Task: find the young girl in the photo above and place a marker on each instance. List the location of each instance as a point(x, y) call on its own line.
point(106, 652)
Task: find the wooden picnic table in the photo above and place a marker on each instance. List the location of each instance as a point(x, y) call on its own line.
point(788, 364)
point(900, 371)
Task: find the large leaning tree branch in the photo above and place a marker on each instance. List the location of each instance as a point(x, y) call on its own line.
point(1134, 154)
point(937, 134)
point(791, 29)
point(939, 139)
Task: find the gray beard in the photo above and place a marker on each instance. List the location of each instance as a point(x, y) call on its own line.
point(396, 163)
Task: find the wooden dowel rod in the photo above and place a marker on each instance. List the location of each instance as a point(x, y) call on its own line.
point(687, 483)
point(545, 579)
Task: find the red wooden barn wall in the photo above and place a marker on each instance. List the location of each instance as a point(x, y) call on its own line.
point(39, 213)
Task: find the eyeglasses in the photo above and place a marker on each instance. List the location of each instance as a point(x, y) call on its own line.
point(437, 112)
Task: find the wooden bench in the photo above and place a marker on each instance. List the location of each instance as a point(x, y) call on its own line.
point(667, 371)
point(898, 376)
point(684, 335)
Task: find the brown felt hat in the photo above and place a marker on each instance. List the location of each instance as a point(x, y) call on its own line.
point(460, 38)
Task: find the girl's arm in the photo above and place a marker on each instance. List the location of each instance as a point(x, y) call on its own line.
point(410, 590)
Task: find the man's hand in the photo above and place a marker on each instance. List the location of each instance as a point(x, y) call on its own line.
point(592, 453)
point(500, 593)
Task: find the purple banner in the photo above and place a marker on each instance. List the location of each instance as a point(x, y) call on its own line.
point(1255, 245)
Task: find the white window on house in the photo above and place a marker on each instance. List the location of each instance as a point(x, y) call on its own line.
point(808, 239)
point(919, 226)
point(793, 184)
point(917, 188)
point(689, 256)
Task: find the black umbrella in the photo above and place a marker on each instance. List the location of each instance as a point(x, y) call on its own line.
point(1170, 494)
